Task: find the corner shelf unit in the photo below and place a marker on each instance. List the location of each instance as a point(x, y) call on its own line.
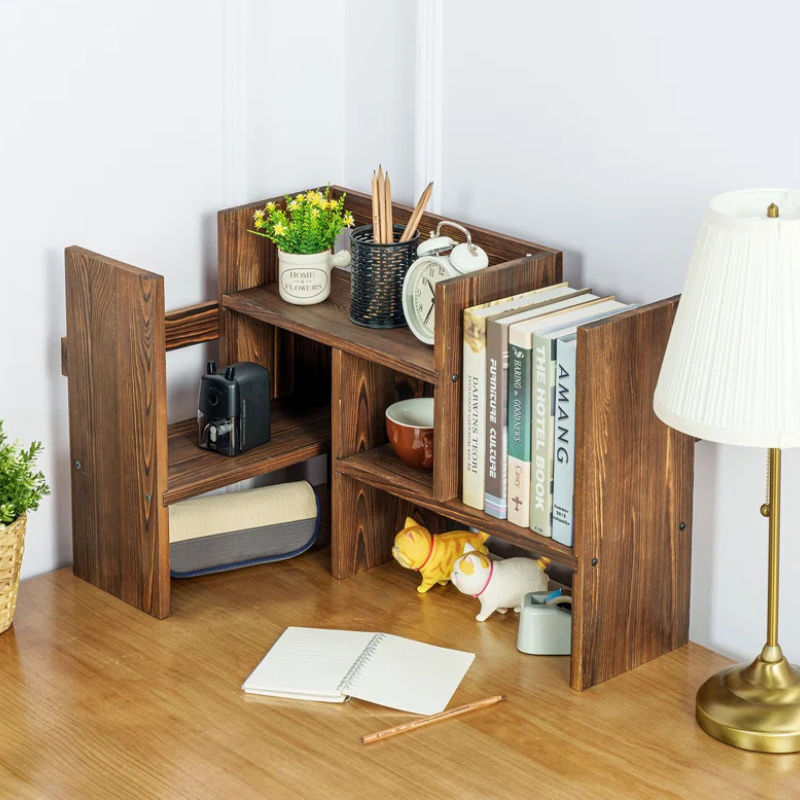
point(633, 492)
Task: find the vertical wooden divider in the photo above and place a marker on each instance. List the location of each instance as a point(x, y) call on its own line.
point(633, 491)
point(365, 520)
point(118, 428)
point(246, 260)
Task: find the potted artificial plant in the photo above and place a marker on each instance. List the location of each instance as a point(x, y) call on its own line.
point(22, 486)
point(305, 232)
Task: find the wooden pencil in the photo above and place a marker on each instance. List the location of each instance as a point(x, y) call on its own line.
point(388, 225)
point(419, 723)
point(381, 205)
point(416, 215)
point(376, 217)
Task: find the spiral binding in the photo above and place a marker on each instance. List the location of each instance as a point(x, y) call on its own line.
point(352, 674)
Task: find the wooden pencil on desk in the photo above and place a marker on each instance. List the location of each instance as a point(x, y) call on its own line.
point(419, 723)
point(388, 225)
point(416, 214)
point(376, 217)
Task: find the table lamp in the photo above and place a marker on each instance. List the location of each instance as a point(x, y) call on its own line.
point(731, 374)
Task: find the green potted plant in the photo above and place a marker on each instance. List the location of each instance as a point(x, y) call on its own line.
point(304, 232)
point(22, 486)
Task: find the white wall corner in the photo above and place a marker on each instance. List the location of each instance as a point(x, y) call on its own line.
point(429, 99)
point(234, 102)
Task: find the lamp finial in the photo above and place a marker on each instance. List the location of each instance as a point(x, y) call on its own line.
point(772, 211)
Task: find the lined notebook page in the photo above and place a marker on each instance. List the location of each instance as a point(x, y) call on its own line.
point(308, 663)
point(410, 676)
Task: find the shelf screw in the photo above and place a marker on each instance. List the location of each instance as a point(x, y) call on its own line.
point(682, 526)
point(77, 465)
point(594, 562)
point(454, 377)
point(147, 498)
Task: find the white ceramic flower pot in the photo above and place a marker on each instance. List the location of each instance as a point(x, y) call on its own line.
point(306, 279)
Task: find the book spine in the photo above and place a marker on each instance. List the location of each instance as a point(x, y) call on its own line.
point(519, 430)
point(496, 417)
point(564, 470)
point(542, 393)
point(474, 397)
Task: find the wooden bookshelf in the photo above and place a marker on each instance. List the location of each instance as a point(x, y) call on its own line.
point(299, 432)
point(630, 561)
point(383, 470)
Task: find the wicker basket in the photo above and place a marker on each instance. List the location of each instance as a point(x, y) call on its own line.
point(376, 278)
point(12, 545)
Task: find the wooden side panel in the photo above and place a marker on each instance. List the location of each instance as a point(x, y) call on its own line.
point(452, 297)
point(365, 520)
point(246, 260)
point(118, 428)
point(633, 491)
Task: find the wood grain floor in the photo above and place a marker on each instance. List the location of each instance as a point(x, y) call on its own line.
point(98, 700)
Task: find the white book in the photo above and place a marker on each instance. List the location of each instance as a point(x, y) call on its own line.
point(473, 376)
point(564, 456)
point(333, 665)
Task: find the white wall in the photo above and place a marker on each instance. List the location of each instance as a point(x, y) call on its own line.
point(125, 129)
point(604, 129)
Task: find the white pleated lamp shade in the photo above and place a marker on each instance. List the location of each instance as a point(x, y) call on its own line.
point(731, 372)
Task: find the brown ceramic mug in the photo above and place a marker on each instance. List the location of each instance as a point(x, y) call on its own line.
point(409, 424)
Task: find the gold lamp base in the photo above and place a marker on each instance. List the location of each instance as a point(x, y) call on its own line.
point(754, 706)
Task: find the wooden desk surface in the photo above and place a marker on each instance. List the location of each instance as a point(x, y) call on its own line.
point(100, 701)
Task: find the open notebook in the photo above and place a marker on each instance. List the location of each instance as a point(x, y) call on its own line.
point(331, 665)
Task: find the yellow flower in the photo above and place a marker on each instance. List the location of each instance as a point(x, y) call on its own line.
point(348, 220)
point(279, 229)
point(314, 213)
point(331, 204)
point(294, 205)
point(259, 223)
point(300, 198)
point(258, 215)
point(270, 206)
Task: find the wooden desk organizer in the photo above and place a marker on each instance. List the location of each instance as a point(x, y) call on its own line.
point(633, 484)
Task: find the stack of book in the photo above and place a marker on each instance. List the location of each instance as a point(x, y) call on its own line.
point(519, 405)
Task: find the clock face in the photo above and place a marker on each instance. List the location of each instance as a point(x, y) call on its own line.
point(419, 295)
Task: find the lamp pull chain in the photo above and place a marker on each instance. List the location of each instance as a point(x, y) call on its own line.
point(765, 506)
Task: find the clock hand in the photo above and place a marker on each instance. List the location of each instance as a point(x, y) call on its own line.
point(430, 311)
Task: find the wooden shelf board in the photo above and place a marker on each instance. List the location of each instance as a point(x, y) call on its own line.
point(329, 323)
point(298, 433)
point(382, 469)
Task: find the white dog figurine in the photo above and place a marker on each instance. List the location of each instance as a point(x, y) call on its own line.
point(499, 585)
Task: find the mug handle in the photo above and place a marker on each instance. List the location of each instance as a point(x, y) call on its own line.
point(341, 259)
point(427, 442)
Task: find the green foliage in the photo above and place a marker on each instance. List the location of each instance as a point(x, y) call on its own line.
point(21, 485)
point(309, 224)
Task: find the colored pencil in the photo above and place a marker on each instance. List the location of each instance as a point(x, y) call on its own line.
point(388, 225)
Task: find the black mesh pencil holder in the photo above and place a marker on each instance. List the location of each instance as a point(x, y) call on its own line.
point(376, 277)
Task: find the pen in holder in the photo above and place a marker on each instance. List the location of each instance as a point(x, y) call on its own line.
point(376, 277)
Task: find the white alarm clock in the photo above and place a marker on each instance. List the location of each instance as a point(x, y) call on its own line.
point(419, 292)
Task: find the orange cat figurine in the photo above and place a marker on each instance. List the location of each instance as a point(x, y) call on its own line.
point(433, 555)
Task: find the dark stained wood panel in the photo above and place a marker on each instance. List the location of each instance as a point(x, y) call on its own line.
point(382, 469)
point(364, 519)
point(633, 491)
point(329, 323)
point(452, 297)
point(118, 429)
point(192, 325)
point(244, 261)
point(299, 432)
